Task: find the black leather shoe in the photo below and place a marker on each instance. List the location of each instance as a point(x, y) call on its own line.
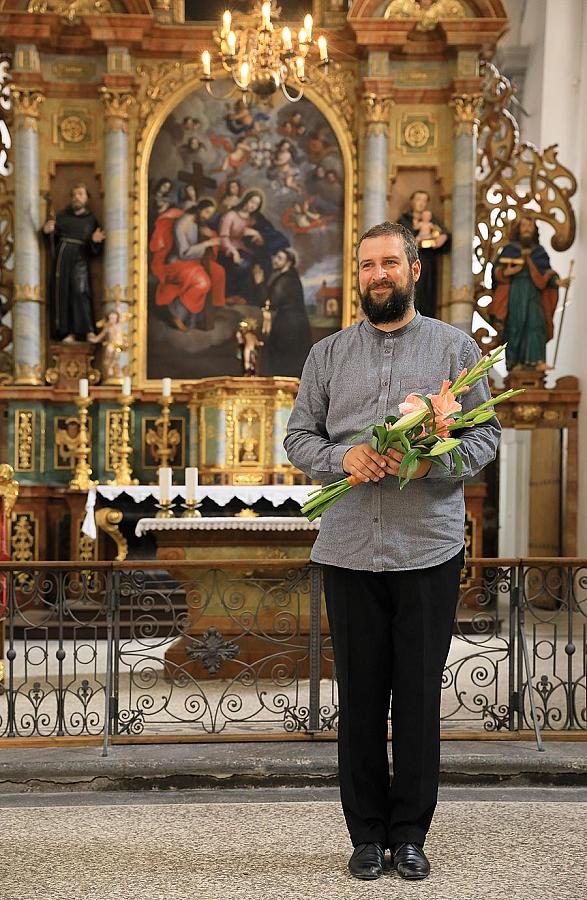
point(367, 861)
point(410, 862)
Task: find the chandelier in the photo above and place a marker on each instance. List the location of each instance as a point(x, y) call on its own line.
point(262, 60)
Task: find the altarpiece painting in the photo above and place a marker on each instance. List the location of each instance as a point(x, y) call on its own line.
point(245, 225)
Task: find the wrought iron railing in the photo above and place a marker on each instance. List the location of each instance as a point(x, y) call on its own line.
point(198, 648)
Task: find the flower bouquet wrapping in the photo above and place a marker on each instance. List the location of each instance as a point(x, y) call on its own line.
point(426, 430)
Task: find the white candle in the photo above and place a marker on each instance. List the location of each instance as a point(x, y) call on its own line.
point(84, 388)
point(126, 386)
point(165, 480)
point(322, 46)
point(191, 483)
point(286, 38)
point(231, 43)
point(206, 63)
point(308, 23)
point(245, 74)
point(166, 387)
point(266, 15)
point(226, 22)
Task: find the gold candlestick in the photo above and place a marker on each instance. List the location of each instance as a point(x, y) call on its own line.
point(82, 480)
point(165, 510)
point(191, 509)
point(123, 471)
point(162, 438)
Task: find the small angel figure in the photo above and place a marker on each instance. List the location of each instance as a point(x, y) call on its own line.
point(112, 335)
point(249, 344)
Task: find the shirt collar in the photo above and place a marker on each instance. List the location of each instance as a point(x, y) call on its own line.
point(378, 333)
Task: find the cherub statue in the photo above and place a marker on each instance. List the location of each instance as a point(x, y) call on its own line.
point(112, 335)
point(249, 344)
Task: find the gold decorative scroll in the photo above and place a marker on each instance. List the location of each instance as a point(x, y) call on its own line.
point(514, 176)
point(376, 112)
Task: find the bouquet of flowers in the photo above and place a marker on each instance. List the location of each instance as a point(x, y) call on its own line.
point(424, 431)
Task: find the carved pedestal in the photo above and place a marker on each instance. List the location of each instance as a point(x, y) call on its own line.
point(70, 362)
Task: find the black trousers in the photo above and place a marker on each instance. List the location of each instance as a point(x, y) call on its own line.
point(391, 634)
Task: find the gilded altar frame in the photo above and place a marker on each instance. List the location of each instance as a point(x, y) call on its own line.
point(164, 87)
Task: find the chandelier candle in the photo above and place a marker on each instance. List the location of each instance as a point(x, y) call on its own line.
point(126, 386)
point(166, 387)
point(84, 388)
point(191, 483)
point(165, 482)
point(427, 429)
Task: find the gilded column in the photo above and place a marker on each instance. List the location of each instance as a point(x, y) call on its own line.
point(27, 312)
point(376, 114)
point(116, 106)
point(466, 122)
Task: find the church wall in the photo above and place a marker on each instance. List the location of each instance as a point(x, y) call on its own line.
point(555, 91)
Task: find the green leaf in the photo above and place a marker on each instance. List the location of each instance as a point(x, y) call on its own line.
point(409, 458)
point(391, 420)
point(456, 458)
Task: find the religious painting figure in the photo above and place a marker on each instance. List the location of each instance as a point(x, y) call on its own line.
point(288, 336)
point(432, 239)
point(525, 296)
point(179, 245)
point(247, 237)
point(75, 236)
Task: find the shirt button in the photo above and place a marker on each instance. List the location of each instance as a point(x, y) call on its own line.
point(375, 518)
point(388, 350)
point(384, 383)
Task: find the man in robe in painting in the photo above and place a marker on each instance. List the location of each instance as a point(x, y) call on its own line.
point(289, 339)
point(525, 297)
point(76, 236)
point(428, 250)
point(183, 263)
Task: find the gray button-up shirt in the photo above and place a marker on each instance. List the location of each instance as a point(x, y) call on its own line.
point(355, 378)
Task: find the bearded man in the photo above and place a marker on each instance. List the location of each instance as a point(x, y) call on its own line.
point(391, 560)
point(78, 237)
point(525, 297)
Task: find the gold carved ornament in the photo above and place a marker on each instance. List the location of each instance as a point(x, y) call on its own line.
point(428, 17)
point(513, 176)
point(25, 434)
point(70, 11)
point(466, 113)
point(73, 129)
point(26, 105)
point(417, 134)
point(116, 106)
point(8, 489)
point(376, 113)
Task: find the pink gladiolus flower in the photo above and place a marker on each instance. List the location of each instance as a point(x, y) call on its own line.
point(411, 404)
point(444, 403)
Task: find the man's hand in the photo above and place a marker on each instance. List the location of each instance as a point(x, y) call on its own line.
point(98, 236)
point(510, 271)
point(365, 463)
point(49, 226)
point(394, 461)
point(563, 282)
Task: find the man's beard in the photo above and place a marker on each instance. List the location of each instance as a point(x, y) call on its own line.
point(527, 241)
point(77, 206)
point(394, 307)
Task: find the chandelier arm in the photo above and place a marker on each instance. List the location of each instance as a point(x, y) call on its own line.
point(230, 93)
point(289, 96)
